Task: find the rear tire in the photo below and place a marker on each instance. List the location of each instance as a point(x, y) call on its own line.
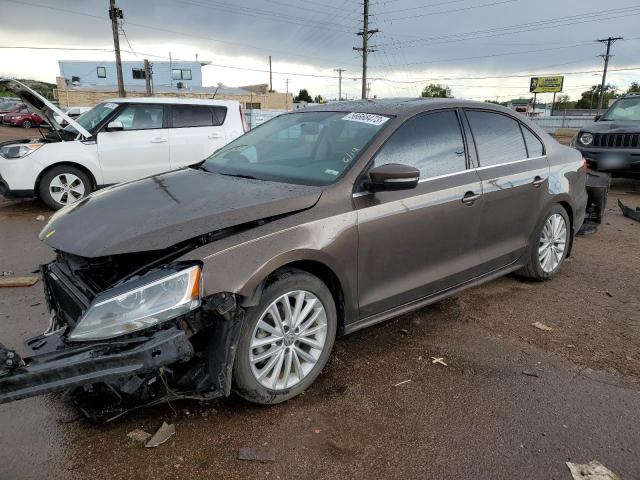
point(549, 246)
point(286, 339)
point(64, 185)
point(27, 124)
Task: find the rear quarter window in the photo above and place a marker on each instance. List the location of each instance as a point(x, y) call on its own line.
point(535, 148)
point(498, 137)
point(197, 116)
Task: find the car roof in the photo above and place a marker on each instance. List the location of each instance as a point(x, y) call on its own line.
point(403, 106)
point(176, 101)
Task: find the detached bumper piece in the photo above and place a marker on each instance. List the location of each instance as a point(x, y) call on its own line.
point(597, 190)
point(67, 368)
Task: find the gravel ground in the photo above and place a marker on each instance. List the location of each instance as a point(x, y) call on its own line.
point(478, 417)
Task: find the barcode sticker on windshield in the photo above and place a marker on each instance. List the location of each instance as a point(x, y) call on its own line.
point(111, 106)
point(369, 118)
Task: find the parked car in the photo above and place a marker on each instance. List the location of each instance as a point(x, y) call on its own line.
point(612, 143)
point(73, 112)
point(238, 272)
point(24, 118)
point(10, 107)
point(117, 141)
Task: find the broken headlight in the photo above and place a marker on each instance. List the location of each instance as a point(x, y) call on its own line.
point(142, 307)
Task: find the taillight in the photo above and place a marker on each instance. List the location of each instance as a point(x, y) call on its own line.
point(245, 125)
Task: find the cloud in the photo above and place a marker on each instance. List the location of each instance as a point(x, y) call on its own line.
point(419, 41)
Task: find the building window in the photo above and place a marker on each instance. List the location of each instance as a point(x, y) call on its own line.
point(181, 74)
point(252, 106)
point(102, 72)
point(75, 79)
point(138, 73)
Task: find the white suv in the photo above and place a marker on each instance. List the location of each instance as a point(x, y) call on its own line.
point(116, 141)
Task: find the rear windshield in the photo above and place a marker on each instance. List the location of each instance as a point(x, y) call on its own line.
point(625, 109)
point(310, 148)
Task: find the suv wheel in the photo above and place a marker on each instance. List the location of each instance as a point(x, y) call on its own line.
point(548, 252)
point(286, 340)
point(64, 185)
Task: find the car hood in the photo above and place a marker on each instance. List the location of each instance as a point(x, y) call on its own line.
point(36, 103)
point(158, 212)
point(604, 126)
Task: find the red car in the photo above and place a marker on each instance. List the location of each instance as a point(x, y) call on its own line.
point(24, 118)
point(8, 107)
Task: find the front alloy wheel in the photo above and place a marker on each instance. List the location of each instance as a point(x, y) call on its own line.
point(553, 242)
point(286, 339)
point(63, 185)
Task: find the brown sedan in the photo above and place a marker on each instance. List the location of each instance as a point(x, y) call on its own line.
point(237, 273)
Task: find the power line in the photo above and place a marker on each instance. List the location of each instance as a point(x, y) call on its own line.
point(441, 12)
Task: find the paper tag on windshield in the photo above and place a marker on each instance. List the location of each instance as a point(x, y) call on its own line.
point(369, 118)
point(111, 106)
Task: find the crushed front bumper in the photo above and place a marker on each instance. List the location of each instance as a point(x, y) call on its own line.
point(58, 368)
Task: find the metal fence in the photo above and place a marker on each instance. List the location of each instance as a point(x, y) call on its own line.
point(552, 124)
point(258, 117)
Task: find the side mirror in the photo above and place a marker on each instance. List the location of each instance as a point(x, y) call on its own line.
point(598, 117)
point(115, 126)
point(392, 176)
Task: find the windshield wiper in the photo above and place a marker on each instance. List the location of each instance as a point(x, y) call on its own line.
point(240, 175)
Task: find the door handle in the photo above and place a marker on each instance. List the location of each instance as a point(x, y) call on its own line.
point(158, 140)
point(538, 181)
point(470, 198)
point(215, 135)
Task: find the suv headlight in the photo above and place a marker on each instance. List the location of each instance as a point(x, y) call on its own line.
point(19, 150)
point(586, 139)
point(142, 307)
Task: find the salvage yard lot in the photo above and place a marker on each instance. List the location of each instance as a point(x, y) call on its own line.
point(513, 401)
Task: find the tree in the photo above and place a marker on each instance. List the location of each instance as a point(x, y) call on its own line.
point(303, 96)
point(436, 91)
point(563, 102)
point(634, 87)
point(319, 99)
point(589, 98)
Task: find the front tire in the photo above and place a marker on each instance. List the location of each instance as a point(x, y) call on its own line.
point(550, 245)
point(27, 124)
point(64, 185)
point(286, 339)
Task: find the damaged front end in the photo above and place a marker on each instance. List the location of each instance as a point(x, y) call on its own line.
point(126, 332)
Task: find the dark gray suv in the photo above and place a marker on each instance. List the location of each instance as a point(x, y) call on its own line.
point(238, 272)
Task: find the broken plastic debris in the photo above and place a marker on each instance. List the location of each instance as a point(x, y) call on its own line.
point(438, 360)
point(593, 470)
point(402, 383)
point(629, 212)
point(40, 218)
point(164, 433)
point(541, 326)
point(257, 454)
point(530, 373)
point(139, 436)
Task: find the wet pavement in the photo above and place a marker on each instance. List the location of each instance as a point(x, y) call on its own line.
point(512, 402)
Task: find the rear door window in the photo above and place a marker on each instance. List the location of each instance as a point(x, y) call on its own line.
point(197, 116)
point(432, 143)
point(498, 137)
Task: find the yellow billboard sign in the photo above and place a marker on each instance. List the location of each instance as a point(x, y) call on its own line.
point(546, 84)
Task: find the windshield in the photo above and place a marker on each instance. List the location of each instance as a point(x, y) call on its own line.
point(310, 148)
point(5, 105)
point(91, 119)
point(625, 109)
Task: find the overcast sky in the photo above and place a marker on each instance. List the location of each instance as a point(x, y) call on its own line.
point(420, 41)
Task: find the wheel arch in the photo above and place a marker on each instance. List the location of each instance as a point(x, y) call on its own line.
point(569, 209)
point(314, 267)
point(84, 169)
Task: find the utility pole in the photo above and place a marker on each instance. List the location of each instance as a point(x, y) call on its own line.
point(286, 96)
point(270, 76)
point(365, 50)
point(115, 14)
point(609, 41)
point(340, 71)
point(147, 76)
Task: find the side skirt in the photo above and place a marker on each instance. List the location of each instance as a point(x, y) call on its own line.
point(423, 302)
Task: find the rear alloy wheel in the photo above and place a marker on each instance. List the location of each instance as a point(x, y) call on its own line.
point(27, 124)
point(286, 339)
point(62, 186)
point(551, 245)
